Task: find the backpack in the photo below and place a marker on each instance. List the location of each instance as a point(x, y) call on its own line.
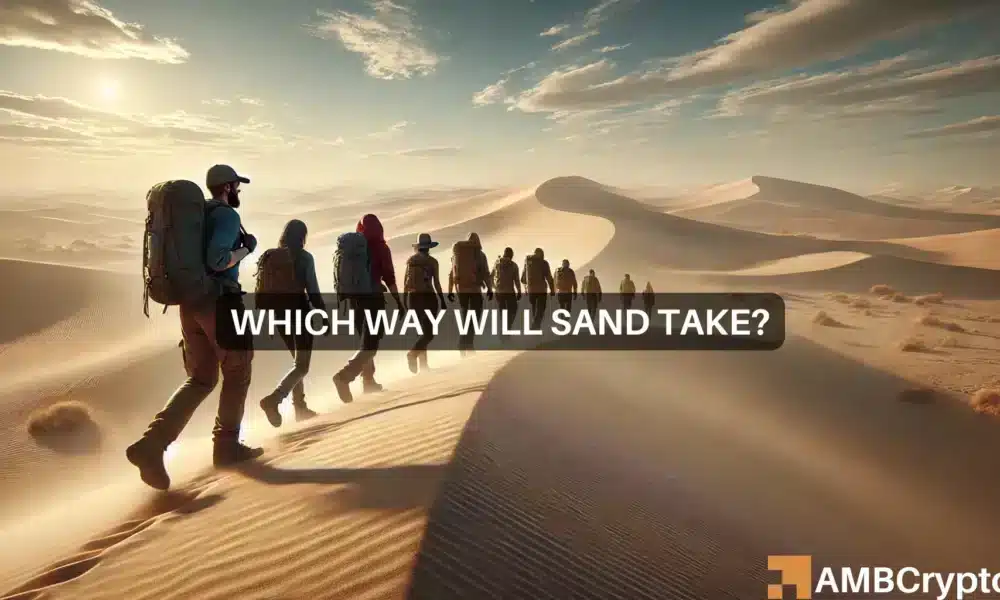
point(534, 273)
point(352, 267)
point(419, 277)
point(465, 266)
point(174, 245)
point(276, 273)
point(503, 274)
point(564, 279)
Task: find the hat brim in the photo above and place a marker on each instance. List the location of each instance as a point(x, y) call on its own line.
point(430, 245)
point(242, 179)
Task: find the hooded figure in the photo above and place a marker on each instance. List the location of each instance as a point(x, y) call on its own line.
point(566, 286)
point(382, 271)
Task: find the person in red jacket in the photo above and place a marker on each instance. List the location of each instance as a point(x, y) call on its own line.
point(382, 272)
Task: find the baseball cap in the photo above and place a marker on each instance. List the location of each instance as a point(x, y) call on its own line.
point(223, 174)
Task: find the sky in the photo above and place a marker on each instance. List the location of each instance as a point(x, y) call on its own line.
point(302, 94)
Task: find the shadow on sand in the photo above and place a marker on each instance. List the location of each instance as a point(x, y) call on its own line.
point(674, 475)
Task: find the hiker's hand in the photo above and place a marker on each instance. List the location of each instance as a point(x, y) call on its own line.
point(519, 296)
point(250, 242)
point(451, 297)
point(553, 293)
point(489, 294)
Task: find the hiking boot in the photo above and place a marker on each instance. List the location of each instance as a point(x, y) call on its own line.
point(423, 363)
point(343, 389)
point(270, 405)
point(148, 458)
point(304, 413)
point(372, 387)
point(411, 361)
point(226, 454)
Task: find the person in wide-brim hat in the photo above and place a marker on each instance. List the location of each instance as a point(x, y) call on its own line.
point(424, 242)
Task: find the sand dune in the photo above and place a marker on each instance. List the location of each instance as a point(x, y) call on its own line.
point(482, 484)
point(973, 249)
point(780, 206)
point(547, 474)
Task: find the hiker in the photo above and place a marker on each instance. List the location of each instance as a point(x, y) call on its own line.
point(591, 290)
point(362, 264)
point(286, 280)
point(470, 273)
point(422, 293)
point(648, 298)
point(535, 276)
point(566, 289)
point(507, 283)
point(627, 290)
point(202, 246)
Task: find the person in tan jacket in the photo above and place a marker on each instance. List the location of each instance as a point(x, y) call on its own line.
point(422, 292)
point(566, 288)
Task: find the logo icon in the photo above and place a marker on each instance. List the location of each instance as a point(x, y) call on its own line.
point(796, 572)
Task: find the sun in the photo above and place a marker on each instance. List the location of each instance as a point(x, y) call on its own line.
point(109, 89)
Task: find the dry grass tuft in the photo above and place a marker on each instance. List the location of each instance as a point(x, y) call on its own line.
point(826, 320)
point(936, 298)
point(67, 426)
point(882, 290)
point(933, 321)
point(914, 345)
point(986, 401)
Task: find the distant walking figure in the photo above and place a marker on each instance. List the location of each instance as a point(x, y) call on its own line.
point(286, 280)
point(648, 298)
point(507, 283)
point(591, 290)
point(422, 293)
point(197, 264)
point(536, 277)
point(469, 274)
point(566, 288)
point(627, 290)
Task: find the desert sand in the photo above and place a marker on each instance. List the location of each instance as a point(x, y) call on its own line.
point(869, 436)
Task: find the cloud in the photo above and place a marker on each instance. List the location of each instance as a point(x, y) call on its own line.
point(393, 130)
point(252, 101)
point(576, 40)
point(490, 94)
point(803, 33)
point(600, 13)
point(426, 152)
point(981, 125)
point(554, 30)
point(216, 102)
point(495, 92)
point(607, 49)
point(84, 28)
point(893, 82)
point(388, 40)
point(53, 121)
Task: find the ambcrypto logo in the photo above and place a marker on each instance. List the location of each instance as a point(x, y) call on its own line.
point(796, 579)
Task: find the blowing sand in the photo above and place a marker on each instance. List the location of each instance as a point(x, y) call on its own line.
point(541, 474)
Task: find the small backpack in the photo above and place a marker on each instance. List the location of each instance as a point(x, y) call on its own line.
point(276, 273)
point(534, 272)
point(419, 277)
point(174, 245)
point(504, 277)
point(352, 267)
point(564, 279)
point(465, 266)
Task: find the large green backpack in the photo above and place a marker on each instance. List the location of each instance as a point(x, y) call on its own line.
point(174, 245)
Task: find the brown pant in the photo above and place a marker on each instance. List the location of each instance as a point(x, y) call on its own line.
point(203, 357)
point(469, 301)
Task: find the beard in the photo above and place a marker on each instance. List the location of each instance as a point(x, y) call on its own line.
point(233, 199)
